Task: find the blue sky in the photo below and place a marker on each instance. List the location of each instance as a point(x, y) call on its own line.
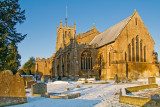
point(43, 16)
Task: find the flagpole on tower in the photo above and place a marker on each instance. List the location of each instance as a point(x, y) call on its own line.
point(66, 15)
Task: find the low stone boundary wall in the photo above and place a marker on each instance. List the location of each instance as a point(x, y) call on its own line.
point(137, 88)
point(94, 83)
point(138, 101)
point(66, 96)
point(87, 79)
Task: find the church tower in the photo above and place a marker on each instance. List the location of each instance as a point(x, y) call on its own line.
point(64, 34)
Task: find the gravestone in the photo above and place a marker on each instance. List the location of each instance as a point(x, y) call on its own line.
point(39, 88)
point(151, 80)
point(12, 89)
point(29, 83)
point(78, 86)
point(45, 78)
point(27, 78)
point(116, 79)
point(66, 89)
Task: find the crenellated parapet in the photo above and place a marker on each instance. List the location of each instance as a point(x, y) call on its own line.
point(87, 36)
point(88, 33)
point(42, 59)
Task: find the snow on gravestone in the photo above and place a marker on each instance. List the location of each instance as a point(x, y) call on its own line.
point(12, 89)
point(39, 88)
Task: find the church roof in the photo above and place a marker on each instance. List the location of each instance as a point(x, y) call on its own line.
point(110, 34)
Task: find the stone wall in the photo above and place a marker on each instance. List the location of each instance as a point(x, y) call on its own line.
point(119, 53)
point(137, 88)
point(138, 101)
point(12, 89)
point(43, 66)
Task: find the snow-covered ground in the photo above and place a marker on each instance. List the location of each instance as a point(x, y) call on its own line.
point(98, 95)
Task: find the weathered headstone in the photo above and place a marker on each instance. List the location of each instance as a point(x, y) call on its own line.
point(78, 86)
point(151, 80)
point(116, 78)
point(12, 89)
point(27, 78)
point(120, 93)
point(29, 83)
point(85, 81)
point(39, 88)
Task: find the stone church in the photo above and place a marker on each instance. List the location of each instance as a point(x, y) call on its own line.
point(126, 50)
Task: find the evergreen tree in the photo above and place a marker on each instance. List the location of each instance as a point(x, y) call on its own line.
point(10, 15)
point(13, 58)
point(29, 66)
point(21, 72)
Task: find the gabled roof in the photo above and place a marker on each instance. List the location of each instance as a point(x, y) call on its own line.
point(110, 34)
point(85, 34)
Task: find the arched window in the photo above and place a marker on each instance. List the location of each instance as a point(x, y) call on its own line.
point(86, 60)
point(65, 34)
point(69, 34)
point(136, 20)
point(37, 68)
point(62, 66)
point(57, 70)
point(129, 52)
point(141, 51)
point(45, 64)
point(133, 51)
point(137, 49)
point(125, 56)
point(68, 59)
point(62, 60)
point(100, 61)
point(144, 53)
